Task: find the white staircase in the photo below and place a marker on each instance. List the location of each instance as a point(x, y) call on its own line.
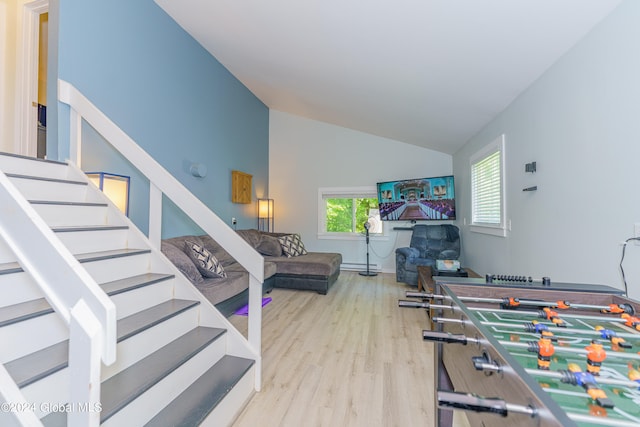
point(179, 361)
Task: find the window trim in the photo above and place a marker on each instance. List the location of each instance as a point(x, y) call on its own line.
point(343, 192)
point(497, 145)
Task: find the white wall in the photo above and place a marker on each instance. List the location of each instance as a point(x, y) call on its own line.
point(581, 123)
point(305, 155)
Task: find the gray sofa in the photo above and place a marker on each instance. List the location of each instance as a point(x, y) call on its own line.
point(316, 271)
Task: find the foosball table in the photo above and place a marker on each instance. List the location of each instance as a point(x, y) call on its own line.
point(533, 353)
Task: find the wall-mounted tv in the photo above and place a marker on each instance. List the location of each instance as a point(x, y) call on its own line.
point(421, 199)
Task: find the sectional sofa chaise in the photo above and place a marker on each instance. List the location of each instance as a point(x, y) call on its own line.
point(286, 265)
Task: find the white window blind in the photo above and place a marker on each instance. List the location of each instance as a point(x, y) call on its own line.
point(486, 185)
point(487, 189)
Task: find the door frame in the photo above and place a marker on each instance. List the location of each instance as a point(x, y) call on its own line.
point(26, 141)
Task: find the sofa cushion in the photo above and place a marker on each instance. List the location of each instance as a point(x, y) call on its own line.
point(181, 261)
point(218, 251)
point(221, 289)
point(292, 245)
point(207, 264)
point(269, 245)
point(312, 264)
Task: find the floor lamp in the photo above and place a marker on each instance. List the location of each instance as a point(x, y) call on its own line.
point(367, 273)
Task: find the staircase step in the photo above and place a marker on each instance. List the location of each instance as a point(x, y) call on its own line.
point(121, 389)
point(16, 163)
point(47, 179)
point(193, 405)
point(76, 229)
point(35, 366)
point(24, 311)
point(66, 203)
point(14, 267)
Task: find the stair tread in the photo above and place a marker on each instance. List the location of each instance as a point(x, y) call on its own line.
point(43, 178)
point(30, 309)
point(37, 365)
point(24, 311)
point(14, 267)
point(129, 283)
point(150, 317)
point(193, 405)
point(66, 203)
point(35, 159)
point(121, 389)
point(75, 228)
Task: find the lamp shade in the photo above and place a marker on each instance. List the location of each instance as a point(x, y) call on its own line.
point(115, 187)
point(265, 214)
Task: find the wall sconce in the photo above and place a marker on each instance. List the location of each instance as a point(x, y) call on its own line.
point(265, 215)
point(115, 187)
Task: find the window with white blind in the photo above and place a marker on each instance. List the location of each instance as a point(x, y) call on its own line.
point(487, 189)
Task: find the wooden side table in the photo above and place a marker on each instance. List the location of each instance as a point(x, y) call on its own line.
point(425, 278)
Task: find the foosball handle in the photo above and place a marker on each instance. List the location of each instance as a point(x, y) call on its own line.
point(471, 402)
point(475, 403)
point(413, 304)
point(445, 337)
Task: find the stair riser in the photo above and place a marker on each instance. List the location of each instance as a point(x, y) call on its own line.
point(11, 164)
point(117, 268)
point(135, 300)
point(79, 242)
point(54, 191)
point(18, 287)
point(226, 411)
point(46, 399)
point(138, 347)
point(151, 402)
point(61, 215)
point(31, 335)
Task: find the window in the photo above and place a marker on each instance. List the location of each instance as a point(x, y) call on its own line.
point(487, 189)
point(343, 212)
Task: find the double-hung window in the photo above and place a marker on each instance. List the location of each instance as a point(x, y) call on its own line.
point(487, 189)
point(342, 212)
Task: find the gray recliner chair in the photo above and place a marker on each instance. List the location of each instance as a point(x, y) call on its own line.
point(428, 243)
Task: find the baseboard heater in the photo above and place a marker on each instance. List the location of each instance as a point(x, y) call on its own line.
point(358, 266)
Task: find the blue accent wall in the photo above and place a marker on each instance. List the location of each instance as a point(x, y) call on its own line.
point(167, 93)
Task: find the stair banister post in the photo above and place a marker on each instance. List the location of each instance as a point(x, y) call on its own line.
point(255, 325)
point(155, 215)
point(84, 367)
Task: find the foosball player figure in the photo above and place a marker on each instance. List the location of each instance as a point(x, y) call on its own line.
point(508, 303)
point(551, 315)
point(612, 336)
point(631, 321)
point(595, 357)
point(563, 305)
point(545, 351)
point(619, 309)
point(540, 328)
point(634, 375)
point(574, 375)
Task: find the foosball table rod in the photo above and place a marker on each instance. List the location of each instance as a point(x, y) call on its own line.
point(611, 308)
point(498, 406)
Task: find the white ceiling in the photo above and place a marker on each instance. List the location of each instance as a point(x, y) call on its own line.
point(425, 72)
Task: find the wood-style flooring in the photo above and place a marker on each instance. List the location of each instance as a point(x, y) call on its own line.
point(348, 358)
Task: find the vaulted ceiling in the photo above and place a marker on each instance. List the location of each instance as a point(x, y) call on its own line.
point(425, 72)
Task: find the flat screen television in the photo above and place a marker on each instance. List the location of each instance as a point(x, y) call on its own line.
point(422, 199)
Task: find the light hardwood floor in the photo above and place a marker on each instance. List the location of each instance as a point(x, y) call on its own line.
point(348, 358)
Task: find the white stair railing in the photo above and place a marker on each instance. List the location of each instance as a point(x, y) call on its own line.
point(72, 293)
point(162, 182)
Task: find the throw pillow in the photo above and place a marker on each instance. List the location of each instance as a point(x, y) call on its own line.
point(207, 264)
point(292, 245)
point(269, 246)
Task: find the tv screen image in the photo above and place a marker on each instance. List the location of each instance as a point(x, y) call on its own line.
point(421, 199)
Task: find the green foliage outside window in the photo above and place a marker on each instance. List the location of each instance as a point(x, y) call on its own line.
point(348, 215)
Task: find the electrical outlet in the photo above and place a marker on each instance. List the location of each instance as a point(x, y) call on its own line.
point(234, 221)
